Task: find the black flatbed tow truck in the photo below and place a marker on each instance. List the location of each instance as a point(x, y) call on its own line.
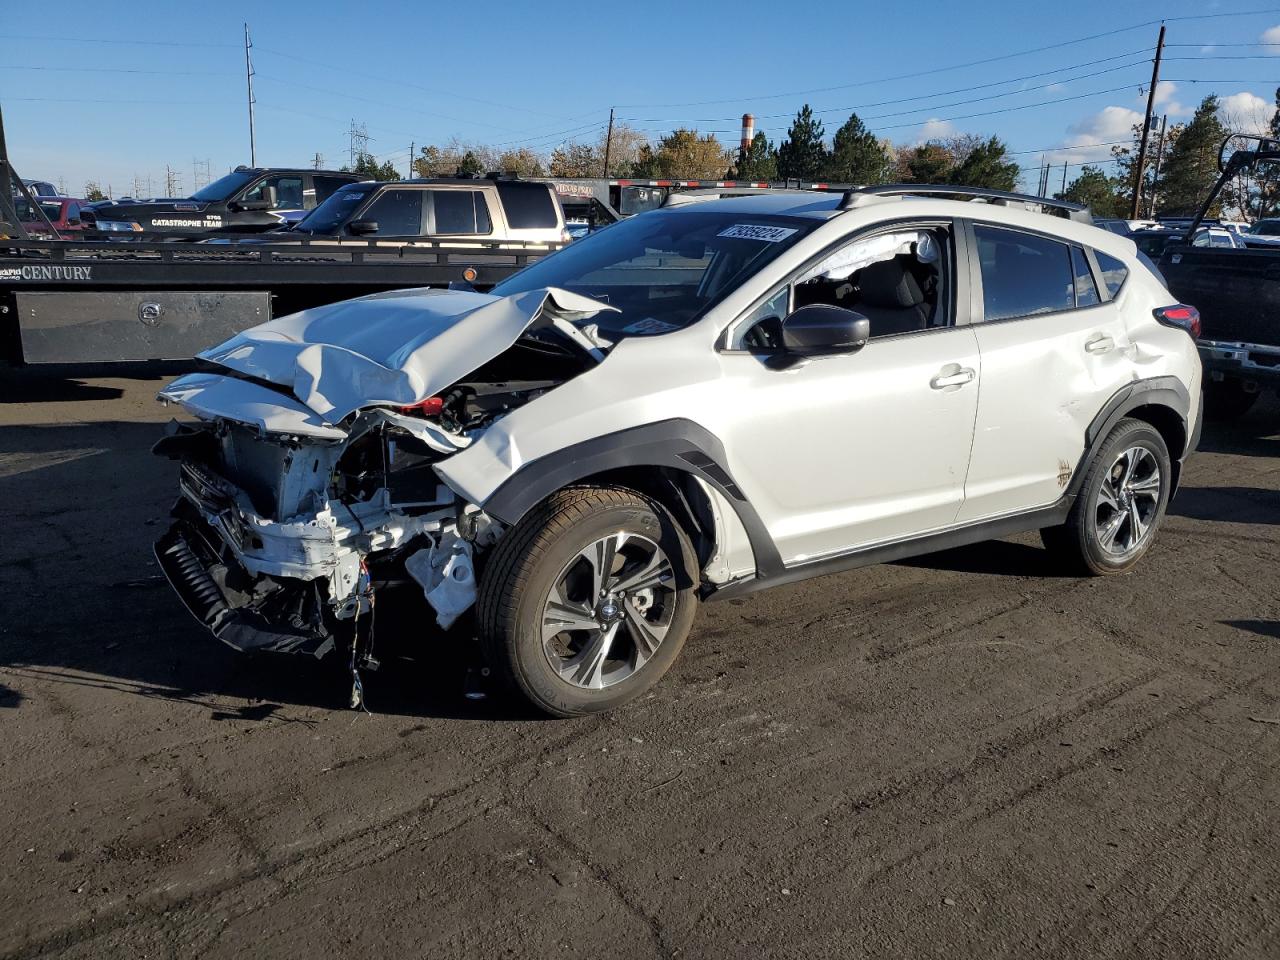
point(65, 301)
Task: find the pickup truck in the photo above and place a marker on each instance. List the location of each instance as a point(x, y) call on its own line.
point(247, 200)
point(1237, 292)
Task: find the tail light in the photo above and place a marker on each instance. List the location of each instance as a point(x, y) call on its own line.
point(1182, 316)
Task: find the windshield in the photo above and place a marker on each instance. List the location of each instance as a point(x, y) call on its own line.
point(664, 269)
point(334, 212)
point(223, 187)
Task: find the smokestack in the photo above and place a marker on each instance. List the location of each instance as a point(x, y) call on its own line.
point(748, 132)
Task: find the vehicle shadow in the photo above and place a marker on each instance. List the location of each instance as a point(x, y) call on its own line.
point(1228, 504)
point(995, 557)
point(1256, 434)
point(66, 383)
point(87, 605)
point(1263, 628)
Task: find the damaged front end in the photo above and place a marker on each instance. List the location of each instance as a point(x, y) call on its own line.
point(307, 482)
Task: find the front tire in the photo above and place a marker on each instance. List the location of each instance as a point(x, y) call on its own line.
point(587, 601)
point(1120, 504)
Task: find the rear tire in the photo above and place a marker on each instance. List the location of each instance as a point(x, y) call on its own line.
point(587, 601)
point(1120, 504)
point(1227, 399)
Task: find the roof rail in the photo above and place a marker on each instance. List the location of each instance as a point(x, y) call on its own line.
point(1073, 211)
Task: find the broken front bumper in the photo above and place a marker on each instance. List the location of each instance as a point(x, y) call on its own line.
point(286, 617)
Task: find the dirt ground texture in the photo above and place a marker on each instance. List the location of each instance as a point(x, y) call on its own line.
point(965, 755)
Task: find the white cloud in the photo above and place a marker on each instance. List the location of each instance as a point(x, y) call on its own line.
point(1165, 101)
point(1271, 35)
point(1245, 112)
point(935, 129)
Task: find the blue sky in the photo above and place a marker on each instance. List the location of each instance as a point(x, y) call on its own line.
point(539, 74)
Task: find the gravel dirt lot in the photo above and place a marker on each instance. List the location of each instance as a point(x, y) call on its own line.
point(963, 755)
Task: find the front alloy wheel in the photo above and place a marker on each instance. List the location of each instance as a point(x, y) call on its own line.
point(608, 610)
point(585, 602)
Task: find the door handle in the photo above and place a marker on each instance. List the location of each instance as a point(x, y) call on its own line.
point(1099, 344)
point(957, 379)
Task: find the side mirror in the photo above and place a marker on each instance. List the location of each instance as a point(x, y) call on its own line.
point(820, 329)
point(360, 228)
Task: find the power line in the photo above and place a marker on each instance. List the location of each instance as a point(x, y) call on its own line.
point(960, 66)
point(138, 43)
point(402, 83)
point(167, 73)
point(937, 106)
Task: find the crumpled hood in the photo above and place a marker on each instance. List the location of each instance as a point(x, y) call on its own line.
point(390, 349)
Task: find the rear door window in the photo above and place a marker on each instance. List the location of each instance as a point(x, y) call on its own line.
point(460, 212)
point(1023, 274)
point(326, 186)
point(398, 213)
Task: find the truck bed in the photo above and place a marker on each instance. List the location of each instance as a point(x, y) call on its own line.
point(1236, 291)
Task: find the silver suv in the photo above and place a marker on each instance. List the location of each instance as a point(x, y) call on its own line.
point(692, 404)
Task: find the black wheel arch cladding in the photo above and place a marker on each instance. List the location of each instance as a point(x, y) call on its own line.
point(677, 444)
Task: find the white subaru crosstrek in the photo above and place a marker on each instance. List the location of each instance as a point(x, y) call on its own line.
point(692, 404)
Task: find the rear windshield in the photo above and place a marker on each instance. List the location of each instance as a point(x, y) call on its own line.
point(662, 270)
point(528, 206)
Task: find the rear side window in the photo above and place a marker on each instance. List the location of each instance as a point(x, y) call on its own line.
point(1086, 291)
point(1023, 274)
point(528, 206)
point(1114, 272)
point(461, 211)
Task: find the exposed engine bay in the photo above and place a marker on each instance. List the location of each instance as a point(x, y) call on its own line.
point(289, 523)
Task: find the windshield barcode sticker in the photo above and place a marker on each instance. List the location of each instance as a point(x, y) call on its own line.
point(752, 231)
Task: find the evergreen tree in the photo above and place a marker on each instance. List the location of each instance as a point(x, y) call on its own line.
point(367, 165)
point(1192, 166)
point(803, 155)
point(1102, 195)
point(759, 161)
point(857, 156)
point(929, 163)
point(470, 166)
point(987, 165)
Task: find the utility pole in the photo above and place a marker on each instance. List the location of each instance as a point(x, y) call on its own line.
point(248, 75)
point(1155, 170)
point(1044, 177)
point(1136, 206)
point(319, 160)
point(1064, 176)
point(412, 147)
point(171, 184)
point(608, 145)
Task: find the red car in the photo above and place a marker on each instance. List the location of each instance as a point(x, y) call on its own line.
point(63, 212)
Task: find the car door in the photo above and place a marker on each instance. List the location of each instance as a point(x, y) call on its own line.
point(1053, 352)
point(845, 451)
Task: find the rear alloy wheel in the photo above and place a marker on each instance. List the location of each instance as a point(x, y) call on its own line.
point(586, 602)
point(1120, 504)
